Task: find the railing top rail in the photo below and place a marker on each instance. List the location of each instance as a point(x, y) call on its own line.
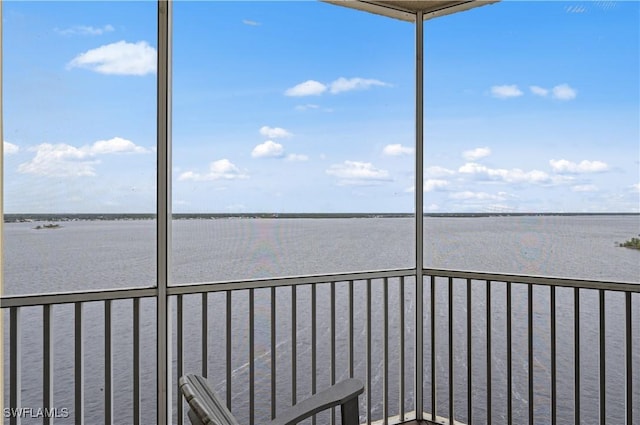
point(193, 288)
point(75, 296)
point(536, 280)
point(286, 281)
point(198, 288)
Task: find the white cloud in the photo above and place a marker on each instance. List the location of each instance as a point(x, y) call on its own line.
point(585, 188)
point(274, 132)
point(480, 196)
point(308, 88)
point(564, 166)
point(437, 171)
point(505, 91)
point(357, 173)
point(340, 85)
point(539, 91)
point(636, 187)
point(10, 148)
point(114, 145)
point(85, 30)
point(63, 160)
point(60, 160)
point(268, 149)
point(222, 169)
point(250, 22)
point(430, 185)
point(297, 157)
point(119, 58)
point(397, 149)
point(564, 92)
point(514, 175)
point(434, 184)
point(348, 84)
point(476, 154)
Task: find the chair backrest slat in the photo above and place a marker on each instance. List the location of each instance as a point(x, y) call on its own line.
point(204, 403)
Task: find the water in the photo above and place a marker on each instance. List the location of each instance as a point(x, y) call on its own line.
point(118, 254)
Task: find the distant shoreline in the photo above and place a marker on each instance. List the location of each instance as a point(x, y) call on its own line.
point(28, 217)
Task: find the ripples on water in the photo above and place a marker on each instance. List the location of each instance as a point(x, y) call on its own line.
point(115, 254)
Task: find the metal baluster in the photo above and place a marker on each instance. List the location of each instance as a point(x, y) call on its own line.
point(530, 348)
point(180, 358)
point(79, 365)
point(313, 344)
point(509, 356)
point(434, 386)
point(294, 343)
point(273, 352)
point(205, 334)
point(351, 360)
point(576, 350)
point(629, 359)
point(47, 359)
point(368, 313)
point(451, 411)
point(229, 345)
point(108, 365)
point(554, 398)
point(15, 372)
point(252, 376)
point(401, 336)
point(385, 353)
point(603, 380)
point(469, 360)
point(136, 361)
point(333, 344)
point(488, 325)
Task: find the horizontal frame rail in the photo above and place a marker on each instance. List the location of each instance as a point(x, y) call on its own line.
point(536, 280)
point(32, 300)
point(75, 297)
point(199, 288)
point(286, 281)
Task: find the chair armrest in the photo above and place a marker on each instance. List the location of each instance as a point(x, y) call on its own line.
point(340, 394)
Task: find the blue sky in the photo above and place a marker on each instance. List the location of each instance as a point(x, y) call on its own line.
point(308, 107)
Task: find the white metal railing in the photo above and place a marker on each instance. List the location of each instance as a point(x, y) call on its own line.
point(355, 294)
point(286, 338)
point(546, 308)
point(49, 302)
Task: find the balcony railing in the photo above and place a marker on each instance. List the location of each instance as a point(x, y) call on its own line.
point(496, 348)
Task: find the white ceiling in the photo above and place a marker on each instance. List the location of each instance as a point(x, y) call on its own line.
point(407, 10)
